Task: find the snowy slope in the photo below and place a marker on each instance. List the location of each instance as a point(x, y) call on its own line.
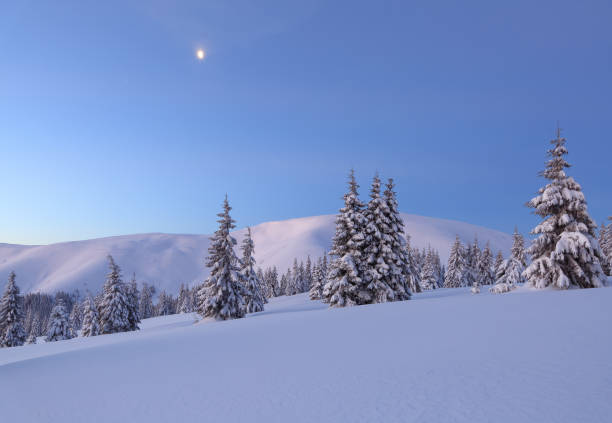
point(445, 356)
point(167, 260)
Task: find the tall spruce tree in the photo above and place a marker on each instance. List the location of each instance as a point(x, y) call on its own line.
point(399, 275)
point(414, 271)
point(485, 267)
point(316, 288)
point(133, 296)
point(345, 284)
point(381, 274)
point(254, 298)
point(115, 304)
point(428, 272)
point(454, 277)
point(222, 295)
point(91, 318)
point(145, 302)
point(58, 328)
point(566, 252)
point(12, 333)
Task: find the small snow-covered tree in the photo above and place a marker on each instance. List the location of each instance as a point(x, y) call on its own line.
point(566, 252)
point(485, 267)
point(115, 304)
point(75, 319)
point(316, 288)
point(222, 295)
point(510, 271)
point(428, 272)
point(145, 302)
point(414, 270)
point(345, 284)
point(132, 295)
point(58, 328)
point(91, 318)
point(499, 259)
point(253, 298)
point(471, 259)
point(165, 304)
point(605, 241)
point(12, 333)
point(454, 277)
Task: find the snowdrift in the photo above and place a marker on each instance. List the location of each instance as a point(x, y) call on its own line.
point(445, 356)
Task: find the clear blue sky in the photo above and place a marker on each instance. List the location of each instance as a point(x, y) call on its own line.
point(109, 125)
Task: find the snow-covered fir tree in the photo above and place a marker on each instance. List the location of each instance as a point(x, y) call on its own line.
point(605, 241)
point(454, 277)
point(115, 305)
point(75, 319)
point(222, 295)
point(12, 333)
point(400, 271)
point(566, 252)
point(145, 302)
point(485, 267)
point(414, 270)
point(58, 328)
point(499, 259)
point(253, 298)
point(133, 296)
point(91, 318)
point(471, 259)
point(345, 284)
point(429, 279)
point(307, 275)
point(316, 288)
point(383, 275)
point(510, 271)
point(165, 304)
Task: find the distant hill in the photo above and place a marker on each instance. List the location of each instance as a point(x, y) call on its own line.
point(167, 260)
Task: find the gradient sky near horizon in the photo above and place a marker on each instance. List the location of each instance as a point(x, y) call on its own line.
point(110, 125)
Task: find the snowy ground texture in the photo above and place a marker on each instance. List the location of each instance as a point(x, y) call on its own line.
point(446, 356)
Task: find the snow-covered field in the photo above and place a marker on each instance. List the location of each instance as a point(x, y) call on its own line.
point(167, 260)
point(445, 356)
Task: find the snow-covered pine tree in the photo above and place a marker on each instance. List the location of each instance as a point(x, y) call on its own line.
point(399, 276)
point(428, 276)
point(485, 267)
point(316, 287)
point(454, 277)
point(414, 272)
point(253, 298)
point(471, 259)
point(12, 333)
point(75, 319)
point(222, 296)
point(510, 272)
point(132, 295)
point(115, 305)
point(307, 274)
point(91, 318)
point(345, 284)
point(165, 304)
point(145, 302)
point(59, 327)
point(566, 253)
point(383, 277)
point(499, 259)
point(605, 241)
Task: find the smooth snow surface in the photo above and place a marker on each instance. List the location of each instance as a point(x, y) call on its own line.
point(167, 260)
point(446, 356)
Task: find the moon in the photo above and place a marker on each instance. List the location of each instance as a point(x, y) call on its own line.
point(200, 54)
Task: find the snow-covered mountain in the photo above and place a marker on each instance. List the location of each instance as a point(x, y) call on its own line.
point(167, 260)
